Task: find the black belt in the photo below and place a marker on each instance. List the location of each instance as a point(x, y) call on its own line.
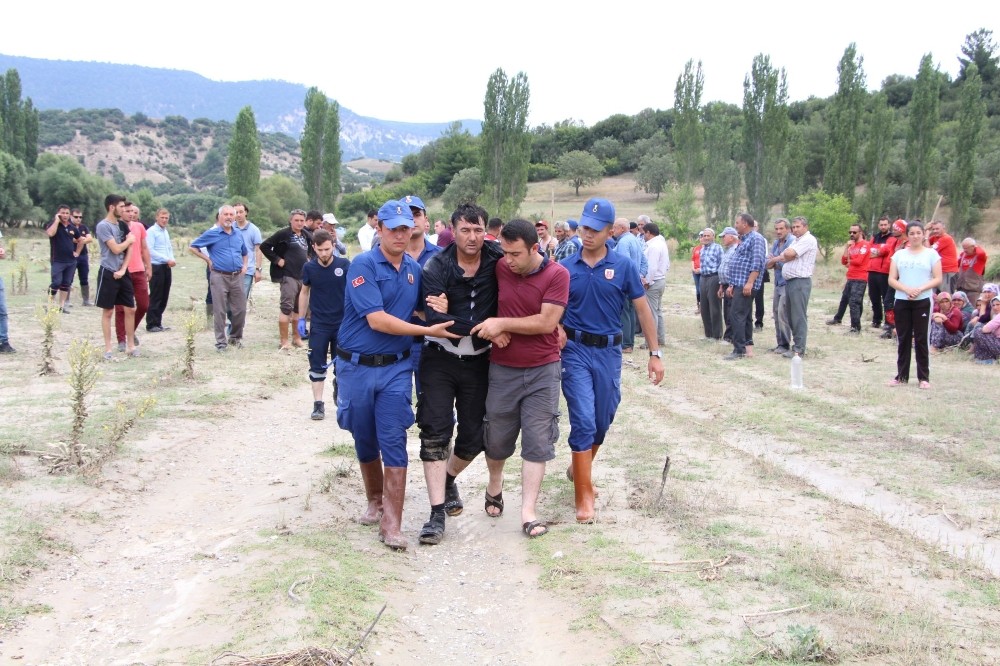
point(216, 270)
point(373, 360)
point(461, 357)
point(592, 339)
point(708, 274)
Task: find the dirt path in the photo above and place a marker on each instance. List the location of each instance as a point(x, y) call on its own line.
point(152, 570)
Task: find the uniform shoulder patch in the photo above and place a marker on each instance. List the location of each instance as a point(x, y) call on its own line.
point(358, 281)
point(609, 274)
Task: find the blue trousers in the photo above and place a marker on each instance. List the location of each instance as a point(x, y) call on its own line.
point(592, 386)
point(374, 405)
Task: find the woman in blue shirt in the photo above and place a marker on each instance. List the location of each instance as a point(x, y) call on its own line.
point(914, 272)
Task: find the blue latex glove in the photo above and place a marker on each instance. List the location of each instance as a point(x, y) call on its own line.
point(302, 328)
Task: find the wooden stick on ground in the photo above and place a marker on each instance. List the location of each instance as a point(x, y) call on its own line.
point(775, 612)
point(663, 480)
point(361, 642)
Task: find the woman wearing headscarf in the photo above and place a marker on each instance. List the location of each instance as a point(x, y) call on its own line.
point(986, 341)
point(913, 273)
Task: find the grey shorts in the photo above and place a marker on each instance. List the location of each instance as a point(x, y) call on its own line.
point(289, 299)
point(525, 401)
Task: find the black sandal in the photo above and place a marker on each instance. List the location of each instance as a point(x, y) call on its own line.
point(531, 526)
point(496, 502)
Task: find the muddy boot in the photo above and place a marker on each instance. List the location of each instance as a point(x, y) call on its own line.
point(393, 494)
point(86, 295)
point(371, 474)
point(583, 462)
point(433, 530)
point(593, 454)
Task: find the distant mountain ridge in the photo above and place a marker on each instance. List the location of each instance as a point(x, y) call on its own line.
point(158, 93)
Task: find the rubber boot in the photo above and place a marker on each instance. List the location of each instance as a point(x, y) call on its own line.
point(393, 494)
point(583, 462)
point(593, 454)
point(371, 474)
point(86, 295)
point(283, 335)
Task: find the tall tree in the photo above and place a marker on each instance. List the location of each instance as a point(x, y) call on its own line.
point(722, 178)
point(795, 167)
point(331, 157)
point(18, 120)
point(505, 143)
point(921, 139)
point(320, 147)
point(844, 117)
point(456, 151)
point(765, 131)
point(963, 171)
point(980, 50)
point(688, 133)
point(877, 156)
point(243, 164)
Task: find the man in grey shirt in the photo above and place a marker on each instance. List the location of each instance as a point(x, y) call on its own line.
point(116, 247)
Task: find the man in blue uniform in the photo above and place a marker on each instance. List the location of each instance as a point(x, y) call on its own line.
point(420, 249)
point(373, 370)
point(600, 281)
point(324, 279)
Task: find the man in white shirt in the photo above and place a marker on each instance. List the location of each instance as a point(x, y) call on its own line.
point(658, 257)
point(800, 259)
point(366, 235)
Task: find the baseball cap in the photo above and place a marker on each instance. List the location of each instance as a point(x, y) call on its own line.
point(395, 214)
point(542, 223)
point(329, 218)
point(413, 201)
point(597, 214)
point(900, 226)
point(729, 231)
point(572, 224)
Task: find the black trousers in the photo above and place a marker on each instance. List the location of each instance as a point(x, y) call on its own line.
point(742, 320)
point(853, 297)
point(878, 287)
point(758, 306)
point(159, 294)
point(449, 383)
point(913, 325)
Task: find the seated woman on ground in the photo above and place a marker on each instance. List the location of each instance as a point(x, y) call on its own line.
point(981, 315)
point(986, 340)
point(946, 323)
point(961, 302)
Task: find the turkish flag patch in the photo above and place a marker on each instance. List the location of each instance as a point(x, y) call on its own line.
point(409, 277)
point(358, 281)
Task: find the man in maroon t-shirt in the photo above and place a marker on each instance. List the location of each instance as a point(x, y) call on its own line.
point(525, 370)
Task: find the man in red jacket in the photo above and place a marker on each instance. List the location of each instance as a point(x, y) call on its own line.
point(878, 269)
point(945, 246)
point(855, 257)
point(893, 245)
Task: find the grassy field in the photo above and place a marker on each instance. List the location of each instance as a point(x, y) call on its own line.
point(847, 522)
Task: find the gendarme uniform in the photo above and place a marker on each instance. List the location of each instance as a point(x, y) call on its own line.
point(592, 358)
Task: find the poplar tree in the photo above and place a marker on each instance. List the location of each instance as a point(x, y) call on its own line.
point(921, 139)
point(765, 131)
point(877, 156)
point(243, 164)
point(844, 119)
point(963, 172)
point(505, 143)
point(722, 178)
point(688, 133)
point(320, 146)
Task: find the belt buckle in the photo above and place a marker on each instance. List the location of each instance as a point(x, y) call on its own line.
point(378, 360)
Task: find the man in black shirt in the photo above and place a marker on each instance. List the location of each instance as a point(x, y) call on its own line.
point(288, 250)
point(62, 253)
point(460, 282)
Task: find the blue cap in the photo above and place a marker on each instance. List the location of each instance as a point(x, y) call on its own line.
point(413, 201)
point(729, 231)
point(394, 214)
point(597, 214)
point(573, 224)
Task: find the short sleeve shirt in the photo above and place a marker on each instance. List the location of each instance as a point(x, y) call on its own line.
point(106, 231)
point(375, 285)
point(597, 295)
point(523, 296)
point(62, 245)
point(135, 264)
point(915, 268)
point(802, 265)
point(326, 291)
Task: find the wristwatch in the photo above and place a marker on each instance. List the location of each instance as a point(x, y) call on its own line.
point(658, 353)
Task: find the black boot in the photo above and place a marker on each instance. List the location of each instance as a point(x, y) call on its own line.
point(319, 411)
point(453, 504)
point(433, 530)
